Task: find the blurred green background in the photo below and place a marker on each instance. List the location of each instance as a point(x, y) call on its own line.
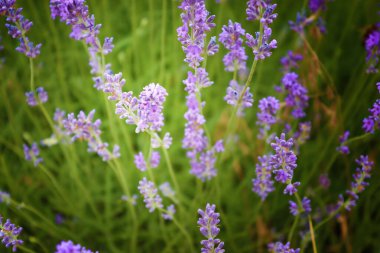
point(147, 50)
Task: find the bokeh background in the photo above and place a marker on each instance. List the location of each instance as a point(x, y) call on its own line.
point(147, 50)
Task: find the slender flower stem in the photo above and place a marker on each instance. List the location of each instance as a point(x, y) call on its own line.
point(31, 74)
point(357, 138)
point(312, 234)
point(171, 170)
point(295, 223)
point(25, 249)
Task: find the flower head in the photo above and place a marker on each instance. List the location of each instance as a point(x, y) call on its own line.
point(372, 122)
point(263, 183)
point(279, 247)
point(344, 149)
point(70, 247)
point(261, 44)
point(149, 191)
point(32, 153)
point(9, 234)
point(208, 222)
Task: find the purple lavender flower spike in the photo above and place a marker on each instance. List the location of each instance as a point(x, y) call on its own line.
point(305, 208)
point(344, 149)
point(316, 5)
point(150, 106)
point(155, 159)
point(297, 97)
point(70, 247)
point(263, 183)
point(169, 214)
point(372, 47)
point(213, 46)
point(279, 247)
point(234, 92)
point(231, 38)
point(31, 98)
point(17, 26)
point(196, 22)
point(32, 153)
point(290, 61)
point(267, 116)
point(372, 122)
point(140, 162)
point(300, 23)
point(42, 95)
point(208, 222)
point(9, 234)
point(261, 10)
point(324, 181)
point(283, 163)
point(83, 127)
point(358, 184)
point(266, 46)
point(167, 190)
point(149, 191)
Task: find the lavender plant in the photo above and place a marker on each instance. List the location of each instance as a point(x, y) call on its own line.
point(303, 135)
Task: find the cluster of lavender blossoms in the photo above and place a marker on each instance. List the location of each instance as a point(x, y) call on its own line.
point(372, 122)
point(84, 128)
point(283, 163)
point(208, 222)
point(70, 247)
point(192, 34)
point(144, 111)
point(304, 208)
point(18, 26)
point(153, 200)
point(358, 185)
point(316, 8)
point(372, 47)
point(279, 247)
point(32, 153)
point(267, 117)
point(263, 183)
point(9, 234)
point(33, 100)
point(343, 148)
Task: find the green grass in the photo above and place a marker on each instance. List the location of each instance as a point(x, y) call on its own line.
point(87, 191)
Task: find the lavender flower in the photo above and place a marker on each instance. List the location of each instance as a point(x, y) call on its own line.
point(300, 23)
point(155, 159)
point(290, 61)
point(302, 134)
point(297, 97)
point(372, 47)
point(32, 153)
point(358, 184)
point(18, 26)
point(165, 142)
point(169, 213)
point(261, 10)
point(267, 116)
point(82, 127)
point(279, 247)
point(140, 162)
point(231, 38)
point(196, 22)
point(59, 219)
point(5, 197)
point(167, 190)
point(283, 163)
point(342, 139)
point(372, 122)
point(295, 209)
point(33, 100)
point(70, 247)
point(260, 44)
point(324, 181)
point(150, 107)
point(234, 93)
point(316, 5)
point(208, 222)
point(263, 183)
point(9, 234)
point(151, 198)
point(131, 199)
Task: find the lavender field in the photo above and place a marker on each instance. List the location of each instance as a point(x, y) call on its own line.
point(189, 126)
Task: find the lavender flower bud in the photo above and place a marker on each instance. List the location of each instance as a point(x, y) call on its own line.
point(372, 122)
point(169, 214)
point(278, 247)
point(5, 197)
point(263, 183)
point(344, 149)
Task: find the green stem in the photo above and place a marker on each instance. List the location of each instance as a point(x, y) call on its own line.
point(25, 249)
point(312, 235)
point(357, 138)
point(171, 170)
point(295, 223)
